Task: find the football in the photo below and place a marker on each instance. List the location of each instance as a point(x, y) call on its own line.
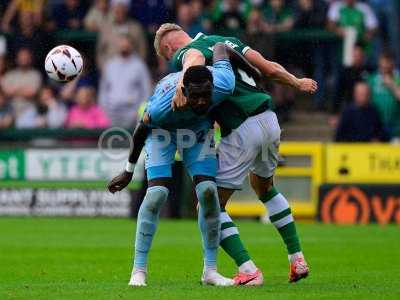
point(63, 63)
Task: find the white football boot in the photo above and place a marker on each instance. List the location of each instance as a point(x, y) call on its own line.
point(212, 277)
point(138, 278)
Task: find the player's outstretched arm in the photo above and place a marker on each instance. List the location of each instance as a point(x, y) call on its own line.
point(139, 136)
point(279, 74)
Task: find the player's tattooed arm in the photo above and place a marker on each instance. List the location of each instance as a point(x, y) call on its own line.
point(139, 136)
point(278, 73)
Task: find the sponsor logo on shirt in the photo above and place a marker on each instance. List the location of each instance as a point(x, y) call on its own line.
point(228, 43)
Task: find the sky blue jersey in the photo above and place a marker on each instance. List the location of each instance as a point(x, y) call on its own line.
point(159, 105)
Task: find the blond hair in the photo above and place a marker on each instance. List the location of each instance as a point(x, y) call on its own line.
point(161, 32)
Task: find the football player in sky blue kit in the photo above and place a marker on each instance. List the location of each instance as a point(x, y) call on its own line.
point(163, 132)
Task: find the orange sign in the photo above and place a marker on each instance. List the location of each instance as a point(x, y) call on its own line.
point(360, 204)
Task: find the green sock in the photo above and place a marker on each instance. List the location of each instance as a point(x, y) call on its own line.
point(230, 240)
point(281, 216)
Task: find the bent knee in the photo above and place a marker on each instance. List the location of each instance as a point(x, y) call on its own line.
point(260, 184)
point(208, 198)
point(155, 198)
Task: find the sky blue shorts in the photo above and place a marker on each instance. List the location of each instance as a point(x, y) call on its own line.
point(196, 148)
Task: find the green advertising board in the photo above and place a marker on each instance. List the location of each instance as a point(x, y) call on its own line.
point(57, 168)
point(12, 165)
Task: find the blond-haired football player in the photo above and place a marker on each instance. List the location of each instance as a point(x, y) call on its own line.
point(249, 144)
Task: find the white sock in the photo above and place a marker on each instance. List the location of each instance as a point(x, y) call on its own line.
point(248, 267)
point(139, 270)
point(209, 269)
point(294, 256)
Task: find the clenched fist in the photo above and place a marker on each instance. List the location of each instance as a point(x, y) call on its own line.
point(119, 182)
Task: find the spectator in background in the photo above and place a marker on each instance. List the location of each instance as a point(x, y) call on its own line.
point(107, 45)
point(89, 77)
point(256, 37)
point(355, 23)
point(277, 17)
point(360, 121)
point(29, 35)
point(262, 24)
point(86, 113)
point(16, 7)
point(313, 55)
point(385, 87)
point(348, 77)
point(310, 14)
point(22, 84)
point(230, 17)
point(97, 15)
point(187, 20)
point(6, 113)
point(69, 15)
point(388, 15)
point(125, 83)
point(201, 15)
point(47, 113)
point(151, 14)
point(255, 22)
point(354, 14)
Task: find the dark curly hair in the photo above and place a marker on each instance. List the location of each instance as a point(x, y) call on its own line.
point(197, 75)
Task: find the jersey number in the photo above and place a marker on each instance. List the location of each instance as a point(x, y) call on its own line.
point(201, 137)
point(246, 78)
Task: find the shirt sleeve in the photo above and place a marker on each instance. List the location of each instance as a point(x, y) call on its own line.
point(370, 18)
point(156, 111)
point(151, 111)
point(333, 12)
point(238, 45)
point(223, 79)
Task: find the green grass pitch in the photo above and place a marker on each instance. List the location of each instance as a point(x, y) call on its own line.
point(62, 258)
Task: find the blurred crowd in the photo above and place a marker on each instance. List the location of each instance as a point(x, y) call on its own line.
point(351, 47)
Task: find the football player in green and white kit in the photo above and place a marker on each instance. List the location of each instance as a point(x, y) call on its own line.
point(249, 144)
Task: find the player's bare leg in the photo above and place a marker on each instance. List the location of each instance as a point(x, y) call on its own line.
point(231, 243)
point(281, 217)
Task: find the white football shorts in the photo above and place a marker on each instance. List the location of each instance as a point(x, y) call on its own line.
point(253, 146)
